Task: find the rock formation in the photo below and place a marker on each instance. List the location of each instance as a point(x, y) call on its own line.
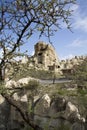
point(19, 83)
point(50, 114)
point(69, 63)
point(45, 57)
point(66, 66)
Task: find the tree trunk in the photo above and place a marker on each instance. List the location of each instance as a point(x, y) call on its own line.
point(2, 73)
point(23, 113)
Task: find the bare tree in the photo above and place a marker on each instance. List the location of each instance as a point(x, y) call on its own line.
point(20, 19)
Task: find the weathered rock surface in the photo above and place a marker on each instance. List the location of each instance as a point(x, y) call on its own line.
point(70, 63)
point(19, 83)
point(45, 57)
point(60, 113)
point(51, 114)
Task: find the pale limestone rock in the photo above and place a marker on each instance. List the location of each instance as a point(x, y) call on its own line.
point(42, 107)
point(25, 81)
point(47, 99)
point(10, 84)
point(1, 99)
point(71, 108)
point(45, 57)
point(73, 112)
point(16, 97)
point(22, 98)
point(19, 83)
point(70, 63)
point(25, 60)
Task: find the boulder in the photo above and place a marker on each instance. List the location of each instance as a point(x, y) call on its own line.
point(25, 81)
point(42, 107)
point(72, 113)
point(10, 84)
point(22, 98)
point(19, 83)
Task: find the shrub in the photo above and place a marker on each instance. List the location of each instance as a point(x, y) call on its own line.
point(32, 85)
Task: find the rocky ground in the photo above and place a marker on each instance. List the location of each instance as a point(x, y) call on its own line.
point(53, 106)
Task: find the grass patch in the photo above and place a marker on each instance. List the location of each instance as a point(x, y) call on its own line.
point(22, 70)
point(82, 92)
point(65, 92)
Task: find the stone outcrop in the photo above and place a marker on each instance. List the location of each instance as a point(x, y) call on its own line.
point(19, 83)
point(70, 63)
point(45, 57)
point(49, 113)
point(25, 60)
point(66, 66)
point(60, 114)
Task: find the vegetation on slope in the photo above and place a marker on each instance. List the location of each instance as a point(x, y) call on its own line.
point(80, 74)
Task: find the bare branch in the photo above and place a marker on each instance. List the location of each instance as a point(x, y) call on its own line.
point(22, 112)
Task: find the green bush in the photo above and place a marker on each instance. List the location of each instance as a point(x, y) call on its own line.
point(82, 92)
point(32, 85)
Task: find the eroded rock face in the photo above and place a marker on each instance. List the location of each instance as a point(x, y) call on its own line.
point(69, 63)
point(19, 83)
point(72, 113)
point(57, 113)
point(22, 98)
point(42, 107)
point(10, 84)
point(45, 57)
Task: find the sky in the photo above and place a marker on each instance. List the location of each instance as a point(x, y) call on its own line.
point(67, 44)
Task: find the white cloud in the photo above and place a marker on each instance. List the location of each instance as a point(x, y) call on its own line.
point(78, 43)
point(80, 19)
point(74, 7)
point(81, 23)
point(32, 53)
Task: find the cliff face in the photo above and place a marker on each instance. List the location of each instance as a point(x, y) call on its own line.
point(45, 57)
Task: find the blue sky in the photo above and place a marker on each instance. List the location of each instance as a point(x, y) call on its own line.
point(66, 43)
